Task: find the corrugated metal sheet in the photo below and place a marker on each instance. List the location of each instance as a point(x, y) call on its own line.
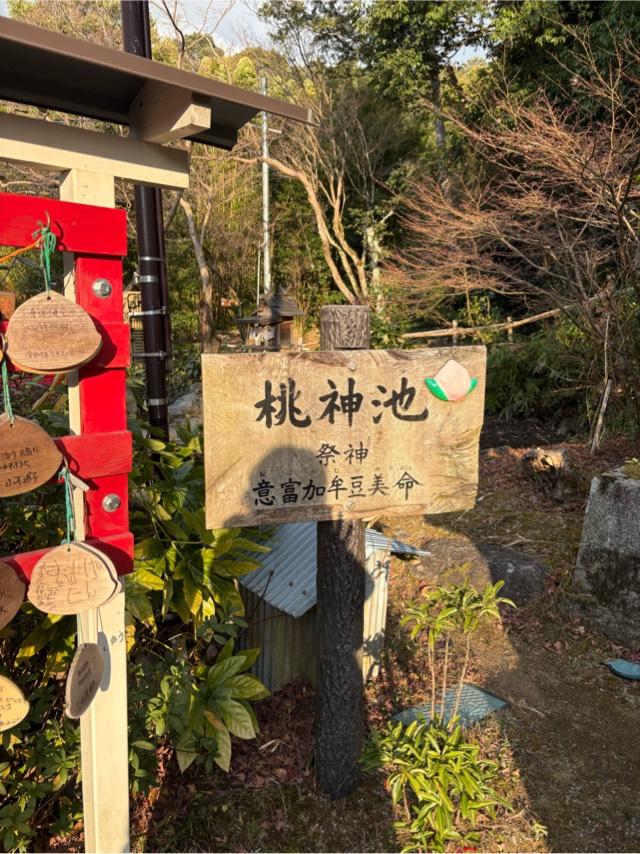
point(287, 645)
point(377, 540)
point(375, 610)
point(287, 578)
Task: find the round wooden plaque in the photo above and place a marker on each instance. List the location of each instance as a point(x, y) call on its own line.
point(117, 584)
point(83, 681)
point(13, 706)
point(71, 579)
point(11, 594)
point(28, 456)
point(49, 334)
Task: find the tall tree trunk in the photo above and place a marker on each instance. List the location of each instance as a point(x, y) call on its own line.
point(340, 606)
point(374, 254)
point(208, 338)
point(436, 99)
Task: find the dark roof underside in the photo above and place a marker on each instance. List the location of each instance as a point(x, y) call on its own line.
point(45, 69)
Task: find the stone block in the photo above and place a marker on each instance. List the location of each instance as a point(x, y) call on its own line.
point(454, 561)
point(606, 583)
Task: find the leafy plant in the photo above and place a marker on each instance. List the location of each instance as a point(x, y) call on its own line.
point(447, 610)
point(181, 567)
point(441, 781)
point(187, 686)
point(201, 707)
point(440, 778)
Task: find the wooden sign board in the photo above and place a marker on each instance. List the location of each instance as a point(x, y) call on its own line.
point(11, 594)
point(13, 706)
point(71, 579)
point(291, 437)
point(28, 456)
point(83, 681)
point(49, 334)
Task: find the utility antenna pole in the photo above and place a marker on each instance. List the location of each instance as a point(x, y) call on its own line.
point(266, 248)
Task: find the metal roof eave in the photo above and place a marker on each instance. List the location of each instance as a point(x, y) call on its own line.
point(45, 69)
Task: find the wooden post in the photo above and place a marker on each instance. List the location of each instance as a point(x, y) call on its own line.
point(104, 726)
point(340, 598)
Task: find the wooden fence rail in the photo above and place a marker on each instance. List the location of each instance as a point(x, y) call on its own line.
point(454, 331)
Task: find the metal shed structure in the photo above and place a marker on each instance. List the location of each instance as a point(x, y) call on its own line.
point(280, 600)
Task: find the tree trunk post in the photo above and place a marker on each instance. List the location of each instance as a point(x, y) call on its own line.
point(340, 605)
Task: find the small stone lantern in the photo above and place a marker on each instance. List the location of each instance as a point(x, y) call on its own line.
point(261, 331)
point(284, 305)
point(271, 327)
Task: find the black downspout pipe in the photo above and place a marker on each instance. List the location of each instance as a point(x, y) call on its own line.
point(150, 235)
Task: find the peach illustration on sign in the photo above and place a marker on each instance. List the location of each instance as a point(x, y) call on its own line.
point(452, 382)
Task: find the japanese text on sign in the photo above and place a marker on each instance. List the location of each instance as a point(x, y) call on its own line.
point(297, 436)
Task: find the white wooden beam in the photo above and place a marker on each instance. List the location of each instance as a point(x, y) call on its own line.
point(103, 727)
point(61, 147)
point(161, 113)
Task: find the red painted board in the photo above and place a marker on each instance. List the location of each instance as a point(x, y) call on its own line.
point(98, 454)
point(88, 268)
point(98, 521)
point(103, 400)
point(116, 346)
point(119, 548)
point(79, 228)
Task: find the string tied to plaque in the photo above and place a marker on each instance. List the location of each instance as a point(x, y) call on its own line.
point(70, 516)
point(6, 393)
point(49, 333)
point(47, 242)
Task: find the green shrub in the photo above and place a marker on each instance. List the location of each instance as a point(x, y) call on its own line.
point(439, 778)
point(441, 781)
point(541, 375)
point(187, 686)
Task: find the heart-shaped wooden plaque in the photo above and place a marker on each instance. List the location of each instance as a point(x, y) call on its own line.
point(11, 594)
point(83, 681)
point(49, 334)
point(28, 456)
point(13, 706)
point(71, 579)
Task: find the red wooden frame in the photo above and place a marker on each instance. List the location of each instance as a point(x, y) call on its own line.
point(101, 455)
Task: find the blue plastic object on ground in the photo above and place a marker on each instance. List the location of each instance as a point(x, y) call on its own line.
point(475, 704)
point(625, 669)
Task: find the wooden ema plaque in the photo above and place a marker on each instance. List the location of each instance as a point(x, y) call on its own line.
point(11, 594)
point(49, 334)
point(28, 456)
point(71, 579)
point(7, 304)
point(83, 681)
point(13, 705)
point(343, 434)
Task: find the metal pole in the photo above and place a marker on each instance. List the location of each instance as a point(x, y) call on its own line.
point(136, 34)
point(258, 281)
point(266, 247)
